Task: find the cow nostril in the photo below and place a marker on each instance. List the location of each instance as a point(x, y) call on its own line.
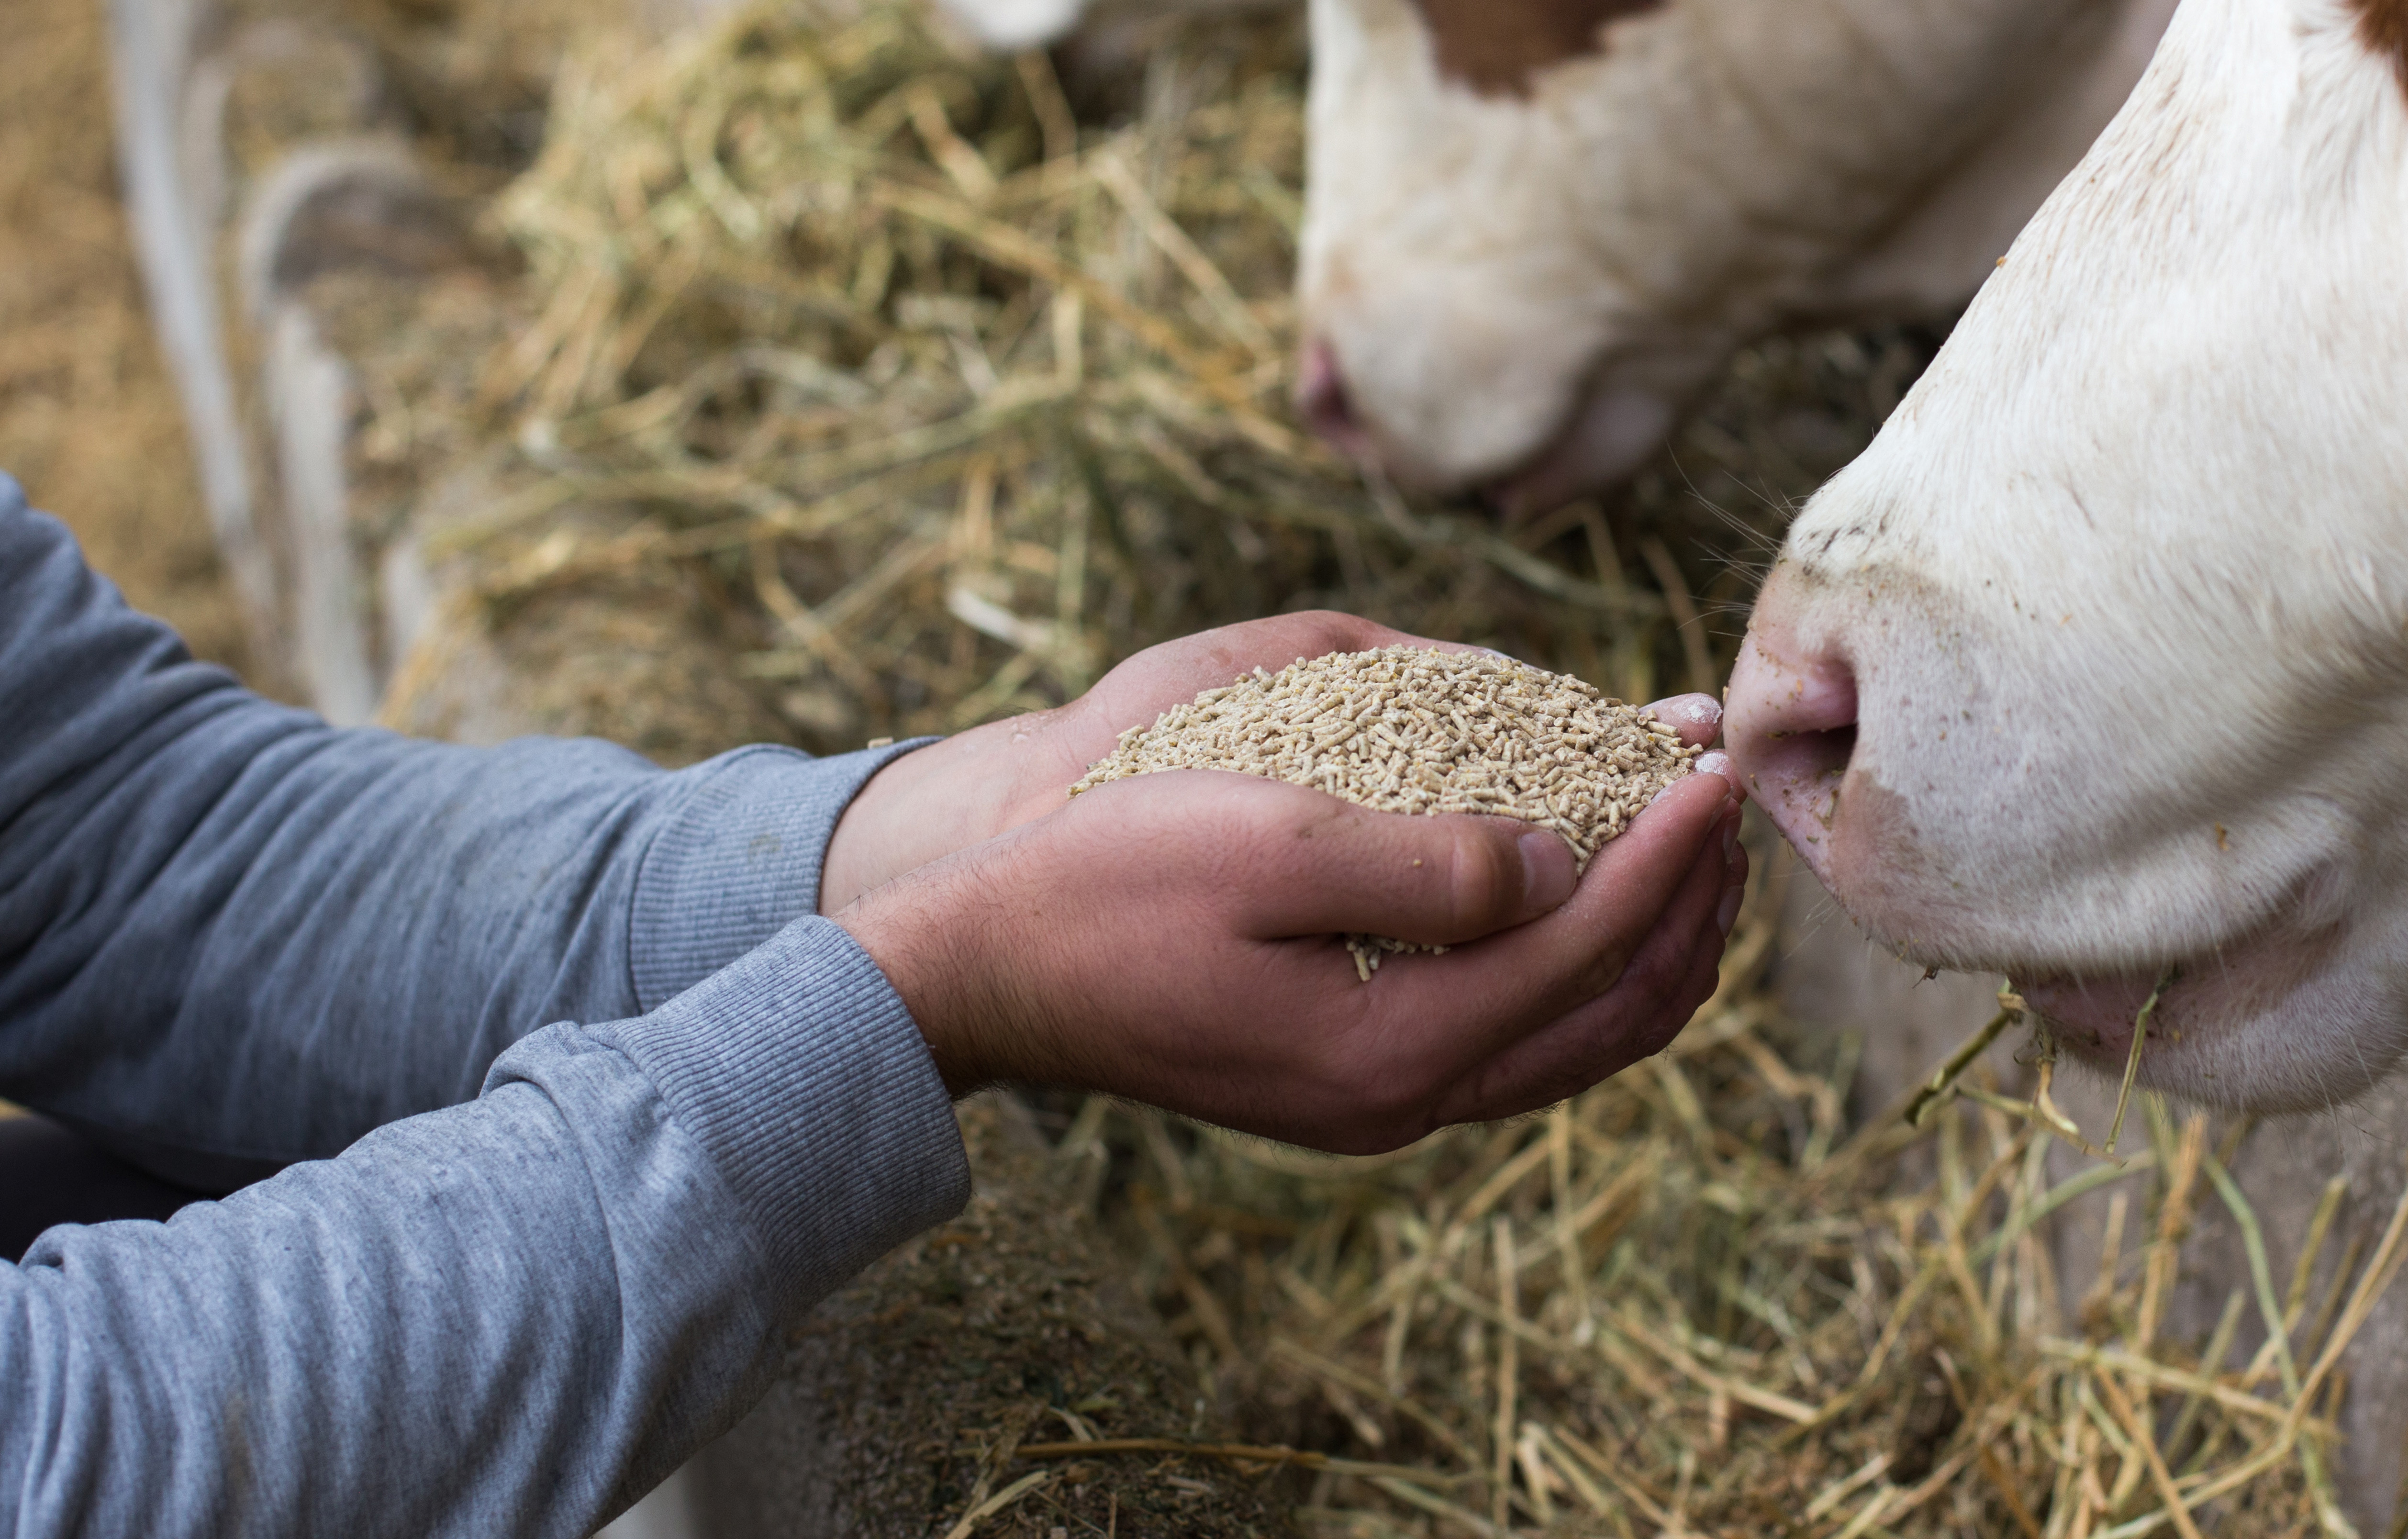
point(1797, 776)
point(1792, 727)
point(1323, 399)
point(1818, 757)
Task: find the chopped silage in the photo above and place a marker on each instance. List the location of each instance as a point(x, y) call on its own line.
point(951, 403)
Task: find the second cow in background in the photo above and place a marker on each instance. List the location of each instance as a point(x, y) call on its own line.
point(1538, 228)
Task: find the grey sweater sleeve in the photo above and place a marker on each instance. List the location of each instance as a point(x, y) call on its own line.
point(509, 1317)
point(229, 935)
point(232, 937)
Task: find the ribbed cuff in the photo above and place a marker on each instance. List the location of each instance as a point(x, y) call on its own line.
point(741, 860)
point(805, 1079)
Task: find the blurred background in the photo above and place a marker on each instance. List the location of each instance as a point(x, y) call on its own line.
point(88, 419)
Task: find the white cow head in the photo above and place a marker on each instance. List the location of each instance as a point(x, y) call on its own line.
point(2095, 665)
point(1534, 229)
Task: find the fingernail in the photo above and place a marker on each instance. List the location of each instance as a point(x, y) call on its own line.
point(1727, 915)
point(1548, 874)
point(1695, 709)
point(1730, 842)
point(1713, 763)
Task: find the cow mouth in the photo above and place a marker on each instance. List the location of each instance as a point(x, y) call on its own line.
point(1608, 431)
point(2093, 1019)
point(2211, 1017)
point(1609, 435)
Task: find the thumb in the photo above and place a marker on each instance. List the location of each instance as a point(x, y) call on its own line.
point(1328, 866)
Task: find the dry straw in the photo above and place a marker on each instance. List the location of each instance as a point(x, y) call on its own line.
point(968, 421)
point(953, 415)
point(1420, 730)
point(1694, 1301)
point(949, 402)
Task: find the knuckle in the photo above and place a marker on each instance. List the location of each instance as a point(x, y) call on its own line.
point(1478, 887)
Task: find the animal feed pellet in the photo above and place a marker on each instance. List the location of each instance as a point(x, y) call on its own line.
point(1411, 729)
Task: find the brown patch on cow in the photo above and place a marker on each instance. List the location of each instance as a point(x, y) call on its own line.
point(2384, 24)
point(1497, 46)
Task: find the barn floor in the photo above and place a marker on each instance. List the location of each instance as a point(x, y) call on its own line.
point(89, 421)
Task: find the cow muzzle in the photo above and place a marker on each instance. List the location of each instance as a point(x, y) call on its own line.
point(1791, 725)
point(1897, 741)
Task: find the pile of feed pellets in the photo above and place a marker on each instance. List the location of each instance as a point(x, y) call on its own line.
point(1413, 730)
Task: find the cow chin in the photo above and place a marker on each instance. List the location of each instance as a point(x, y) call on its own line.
point(1375, 388)
point(2302, 1013)
point(1608, 436)
point(1549, 422)
point(1446, 395)
point(2283, 1021)
point(1614, 432)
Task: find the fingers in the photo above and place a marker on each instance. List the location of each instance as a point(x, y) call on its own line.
point(1577, 952)
point(1673, 974)
point(1313, 866)
point(1454, 1022)
point(1699, 718)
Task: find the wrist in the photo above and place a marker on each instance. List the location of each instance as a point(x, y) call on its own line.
point(947, 795)
point(740, 856)
point(902, 818)
point(927, 941)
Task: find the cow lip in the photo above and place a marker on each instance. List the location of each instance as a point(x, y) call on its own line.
point(2217, 989)
point(2094, 1015)
point(1605, 437)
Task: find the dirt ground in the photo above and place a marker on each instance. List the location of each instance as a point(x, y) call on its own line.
point(89, 421)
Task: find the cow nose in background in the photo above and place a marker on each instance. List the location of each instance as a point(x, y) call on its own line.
point(1791, 729)
point(1323, 402)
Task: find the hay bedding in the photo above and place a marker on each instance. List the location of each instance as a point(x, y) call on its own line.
point(945, 402)
point(957, 422)
point(1692, 1302)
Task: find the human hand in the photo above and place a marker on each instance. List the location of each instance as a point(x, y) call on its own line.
point(1172, 938)
point(969, 787)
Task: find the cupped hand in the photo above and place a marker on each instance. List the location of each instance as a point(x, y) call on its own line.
point(977, 783)
point(1173, 938)
point(952, 795)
